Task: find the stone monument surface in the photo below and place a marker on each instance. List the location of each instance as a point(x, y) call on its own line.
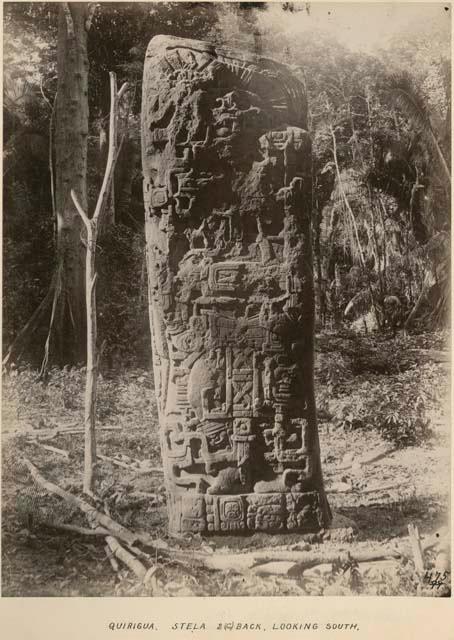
point(227, 189)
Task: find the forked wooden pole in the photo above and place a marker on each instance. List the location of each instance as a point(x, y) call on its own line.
point(92, 226)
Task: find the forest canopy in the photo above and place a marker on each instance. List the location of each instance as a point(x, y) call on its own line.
point(379, 117)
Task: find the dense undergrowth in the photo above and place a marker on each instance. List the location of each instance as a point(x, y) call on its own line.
point(387, 385)
point(369, 390)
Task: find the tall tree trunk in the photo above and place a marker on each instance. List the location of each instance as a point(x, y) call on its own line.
point(71, 133)
point(65, 301)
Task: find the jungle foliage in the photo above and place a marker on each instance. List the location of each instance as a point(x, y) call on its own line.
point(380, 126)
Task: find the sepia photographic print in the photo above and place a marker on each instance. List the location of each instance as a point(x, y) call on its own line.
point(226, 310)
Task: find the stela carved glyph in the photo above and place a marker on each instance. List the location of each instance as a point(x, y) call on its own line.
point(227, 188)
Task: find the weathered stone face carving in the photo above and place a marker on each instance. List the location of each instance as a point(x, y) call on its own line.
point(227, 187)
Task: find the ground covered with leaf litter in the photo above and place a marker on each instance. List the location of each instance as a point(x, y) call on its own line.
point(384, 429)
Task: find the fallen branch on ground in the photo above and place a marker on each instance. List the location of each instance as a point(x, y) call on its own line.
point(130, 467)
point(71, 430)
point(97, 517)
point(127, 558)
point(54, 433)
point(294, 569)
point(373, 456)
point(255, 561)
point(140, 554)
point(143, 494)
point(384, 487)
point(83, 531)
point(47, 447)
point(340, 487)
point(302, 560)
point(296, 561)
point(144, 472)
point(92, 513)
point(119, 463)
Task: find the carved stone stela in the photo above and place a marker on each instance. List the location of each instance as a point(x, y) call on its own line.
point(227, 187)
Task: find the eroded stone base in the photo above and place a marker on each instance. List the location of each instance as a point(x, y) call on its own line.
point(236, 514)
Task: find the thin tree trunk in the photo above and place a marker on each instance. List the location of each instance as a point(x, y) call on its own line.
point(51, 164)
point(92, 357)
point(92, 362)
point(92, 227)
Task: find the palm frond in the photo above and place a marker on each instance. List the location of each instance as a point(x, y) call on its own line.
point(359, 304)
point(409, 99)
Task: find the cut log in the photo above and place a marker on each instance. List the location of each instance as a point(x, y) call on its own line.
point(127, 558)
point(150, 577)
point(112, 559)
